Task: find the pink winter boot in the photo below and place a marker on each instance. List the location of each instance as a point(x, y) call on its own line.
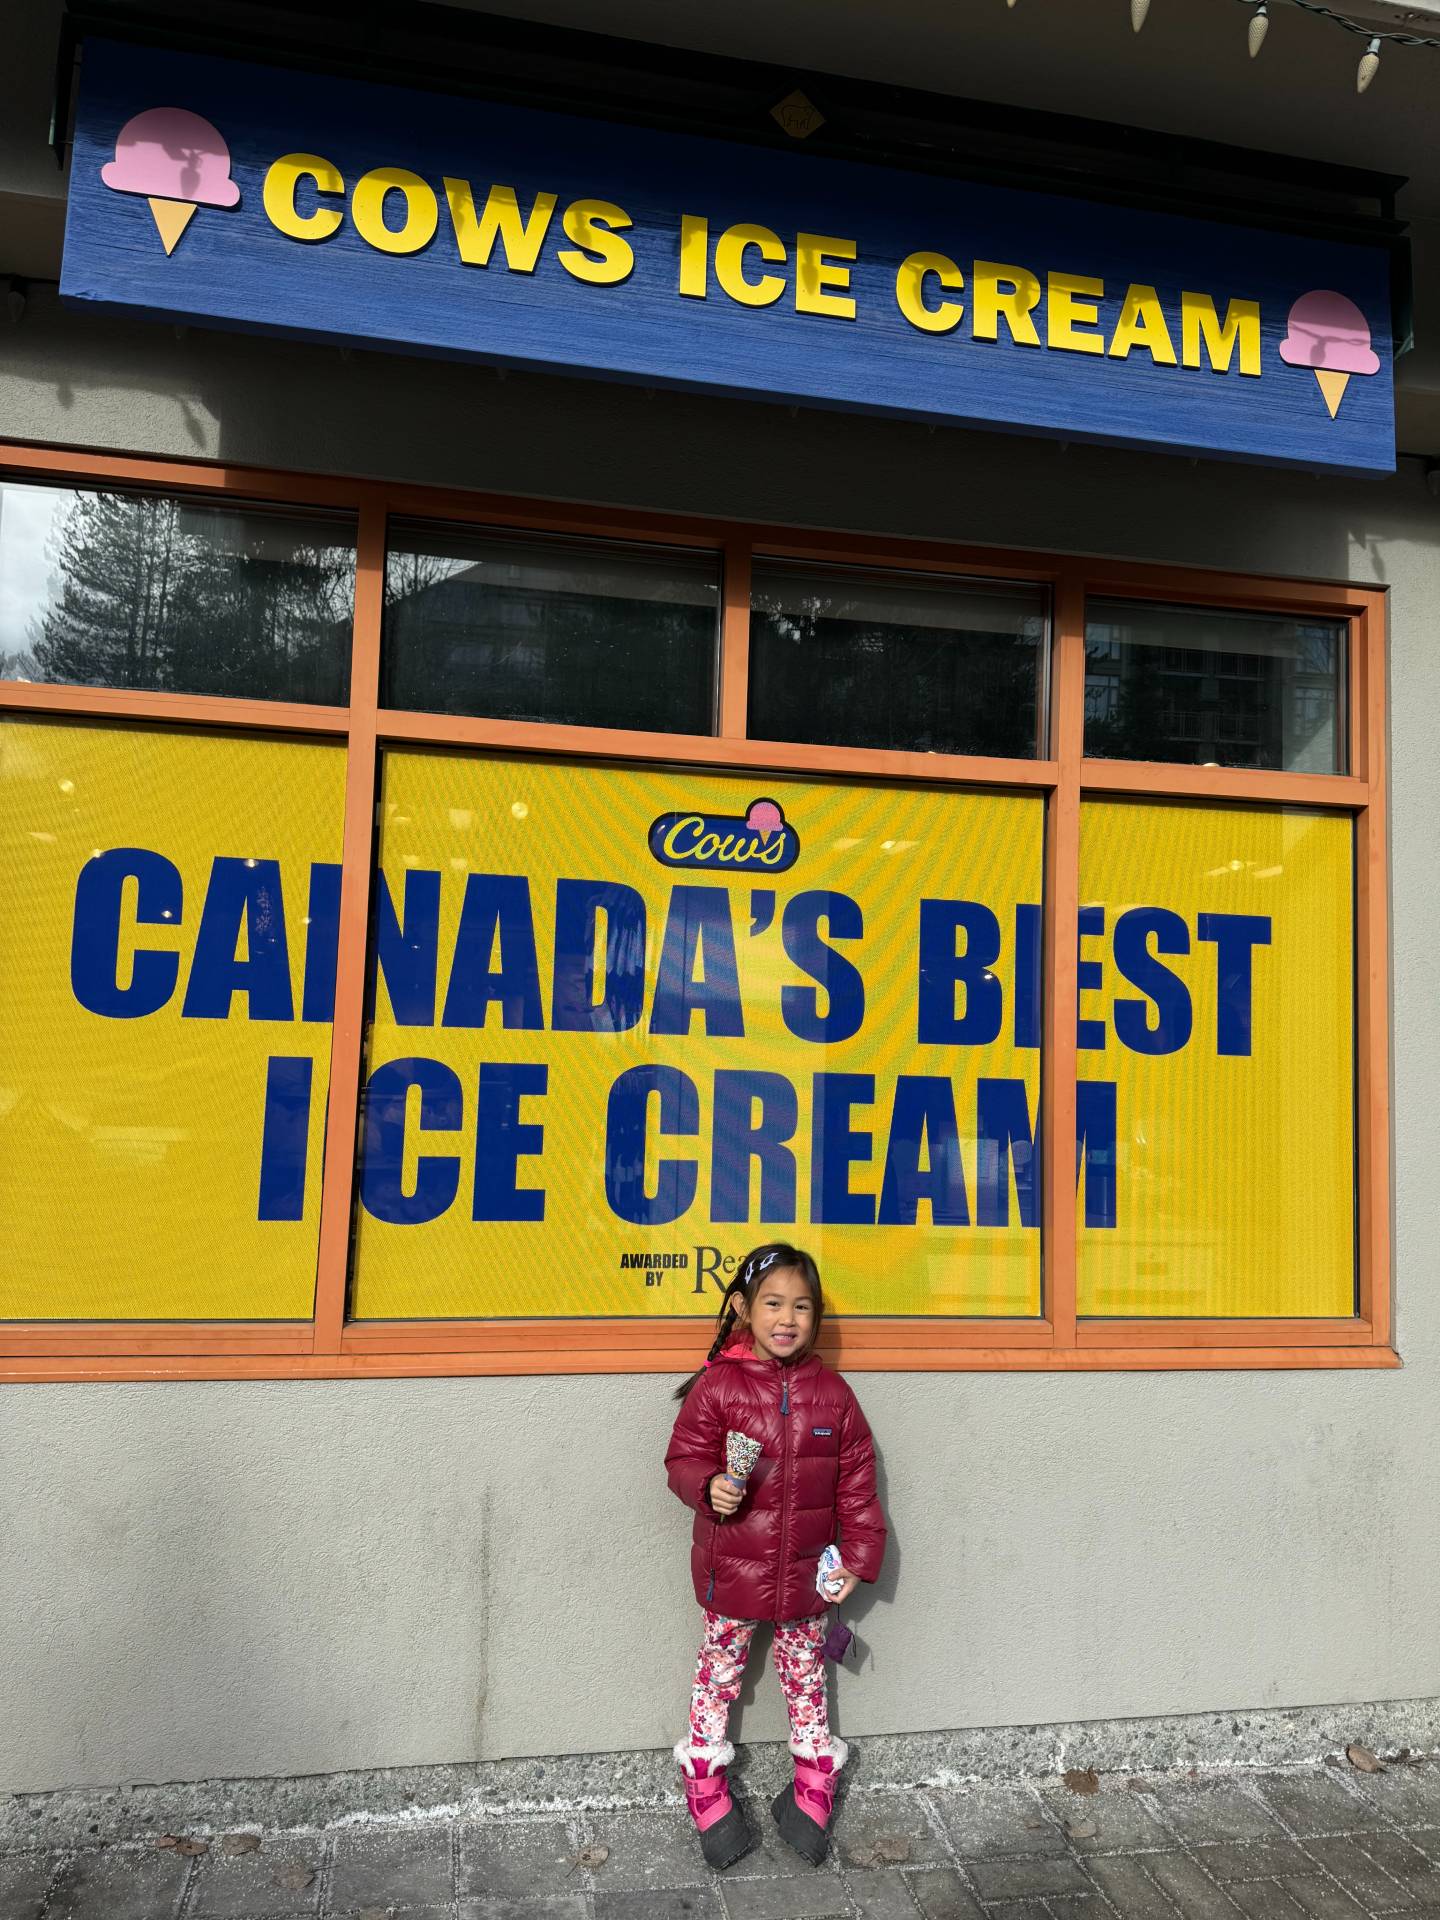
point(802, 1810)
point(724, 1835)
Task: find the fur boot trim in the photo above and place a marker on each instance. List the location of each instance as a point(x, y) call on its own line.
point(804, 1750)
point(687, 1756)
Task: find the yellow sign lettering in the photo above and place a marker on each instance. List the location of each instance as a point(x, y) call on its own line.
point(818, 269)
point(694, 256)
point(521, 236)
point(1004, 293)
point(910, 281)
point(730, 251)
point(1071, 303)
point(1201, 325)
point(1142, 324)
point(599, 255)
point(367, 210)
point(278, 194)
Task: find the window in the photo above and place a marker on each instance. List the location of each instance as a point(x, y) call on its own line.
point(1009, 930)
point(597, 1072)
point(1217, 1011)
point(595, 634)
point(155, 591)
point(933, 665)
point(1214, 687)
point(167, 943)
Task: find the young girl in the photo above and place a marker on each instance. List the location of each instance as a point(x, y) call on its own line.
point(755, 1549)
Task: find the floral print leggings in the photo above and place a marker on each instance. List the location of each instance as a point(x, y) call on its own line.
point(799, 1661)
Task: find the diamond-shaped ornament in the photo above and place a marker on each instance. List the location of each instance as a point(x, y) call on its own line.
point(798, 115)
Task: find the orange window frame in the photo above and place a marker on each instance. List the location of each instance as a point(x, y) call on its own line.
point(329, 1346)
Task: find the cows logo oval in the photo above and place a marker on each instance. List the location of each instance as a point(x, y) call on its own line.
point(759, 840)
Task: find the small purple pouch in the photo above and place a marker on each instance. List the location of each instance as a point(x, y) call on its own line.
point(837, 1640)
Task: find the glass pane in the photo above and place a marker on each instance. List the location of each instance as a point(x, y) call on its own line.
point(1214, 688)
point(927, 665)
point(631, 1022)
point(583, 635)
point(174, 595)
point(168, 919)
point(1217, 1085)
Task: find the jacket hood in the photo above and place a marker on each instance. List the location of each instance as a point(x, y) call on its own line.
point(740, 1348)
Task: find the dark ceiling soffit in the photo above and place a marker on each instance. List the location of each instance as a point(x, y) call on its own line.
point(446, 50)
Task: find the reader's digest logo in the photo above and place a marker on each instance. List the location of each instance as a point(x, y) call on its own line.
point(1330, 335)
point(762, 838)
point(178, 161)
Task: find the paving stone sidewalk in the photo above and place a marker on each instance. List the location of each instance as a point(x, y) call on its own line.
point(1324, 1843)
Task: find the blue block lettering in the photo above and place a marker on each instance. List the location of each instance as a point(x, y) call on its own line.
point(407, 947)
point(578, 904)
point(95, 933)
point(322, 942)
point(1006, 1139)
point(1134, 931)
point(698, 927)
point(922, 1158)
point(242, 894)
point(285, 1138)
point(1027, 976)
point(755, 1118)
point(1089, 978)
point(496, 908)
point(835, 976)
point(1095, 1149)
point(1236, 935)
point(836, 1146)
point(437, 1175)
point(625, 1128)
point(501, 1137)
point(942, 969)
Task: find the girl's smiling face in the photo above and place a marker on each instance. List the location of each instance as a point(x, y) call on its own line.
point(781, 1318)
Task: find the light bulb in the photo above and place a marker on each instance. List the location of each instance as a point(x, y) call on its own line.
point(1259, 27)
point(1369, 65)
point(1138, 11)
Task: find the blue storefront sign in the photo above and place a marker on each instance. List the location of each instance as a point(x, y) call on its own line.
point(212, 191)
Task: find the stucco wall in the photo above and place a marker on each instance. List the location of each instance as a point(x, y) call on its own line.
point(281, 1578)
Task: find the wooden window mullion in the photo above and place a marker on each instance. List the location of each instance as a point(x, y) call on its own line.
point(734, 701)
point(358, 860)
point(1062, 934)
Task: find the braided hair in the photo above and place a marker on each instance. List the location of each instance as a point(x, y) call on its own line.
point(743, 1289)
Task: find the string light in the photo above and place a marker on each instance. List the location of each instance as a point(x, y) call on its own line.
point(1138, 11)
point(1373, 37)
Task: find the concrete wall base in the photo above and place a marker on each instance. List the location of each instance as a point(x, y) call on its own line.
point(1270, 1737)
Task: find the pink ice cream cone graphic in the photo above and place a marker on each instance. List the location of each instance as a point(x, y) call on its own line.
point(764, 818)
point(178, 161)
point(1330, 335)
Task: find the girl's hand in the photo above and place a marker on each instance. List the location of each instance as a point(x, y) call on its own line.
point(724, 1494)
point(852, 1580)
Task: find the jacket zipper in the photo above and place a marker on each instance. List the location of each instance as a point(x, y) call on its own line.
point(784, 1494)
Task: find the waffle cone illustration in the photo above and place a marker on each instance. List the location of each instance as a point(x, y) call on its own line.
point(171, 219)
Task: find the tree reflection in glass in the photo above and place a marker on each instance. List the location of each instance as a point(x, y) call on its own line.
point(138, 590)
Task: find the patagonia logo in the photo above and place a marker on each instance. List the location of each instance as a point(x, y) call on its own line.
point(822, 1433)
point(762, 838)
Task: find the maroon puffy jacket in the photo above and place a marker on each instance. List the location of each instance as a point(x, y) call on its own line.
point(813, 1483)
